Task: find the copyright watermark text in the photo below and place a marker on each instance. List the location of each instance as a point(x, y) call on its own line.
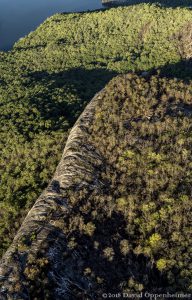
point(147, 295)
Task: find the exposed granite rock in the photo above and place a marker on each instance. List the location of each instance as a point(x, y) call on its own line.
point(79, 167)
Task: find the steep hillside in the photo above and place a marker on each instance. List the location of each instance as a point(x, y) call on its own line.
point(116, 217)
point(49, 76)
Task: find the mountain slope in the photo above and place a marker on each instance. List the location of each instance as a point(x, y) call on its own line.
point(50, 75)
point(42, 227)
point(116, 216)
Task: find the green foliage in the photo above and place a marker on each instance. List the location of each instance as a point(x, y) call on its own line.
point(124, 247)
point(108, 253)
point(89, 228)
point(9, 224)
point(147, 173)
point(50, 75)
point(161, 264)
point(155, 241)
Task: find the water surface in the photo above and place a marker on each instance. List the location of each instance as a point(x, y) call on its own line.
point(19, 17)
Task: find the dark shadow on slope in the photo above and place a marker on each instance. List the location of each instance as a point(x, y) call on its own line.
point(65, 278)
point(65, 94)
point(181, 70)
point(85, 272)
point(164, 3)
point(117, 269)
point(62, 96)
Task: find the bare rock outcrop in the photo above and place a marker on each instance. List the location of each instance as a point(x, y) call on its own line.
point(79, 168)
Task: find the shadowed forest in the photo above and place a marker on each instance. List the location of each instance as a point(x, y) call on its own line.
point(163, 3)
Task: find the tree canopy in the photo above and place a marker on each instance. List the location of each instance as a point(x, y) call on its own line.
point(49, 76)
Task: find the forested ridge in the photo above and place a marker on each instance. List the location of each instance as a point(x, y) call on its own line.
point(116, 218)
point(142, 129)
point(50, 75)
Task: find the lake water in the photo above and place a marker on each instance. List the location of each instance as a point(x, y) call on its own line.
point(19, 17)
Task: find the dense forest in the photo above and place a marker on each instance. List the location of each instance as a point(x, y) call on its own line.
point(49, 77)
point(142, 129)
point(116, 217)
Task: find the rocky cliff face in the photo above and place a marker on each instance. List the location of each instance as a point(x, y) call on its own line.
point(40, 245)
